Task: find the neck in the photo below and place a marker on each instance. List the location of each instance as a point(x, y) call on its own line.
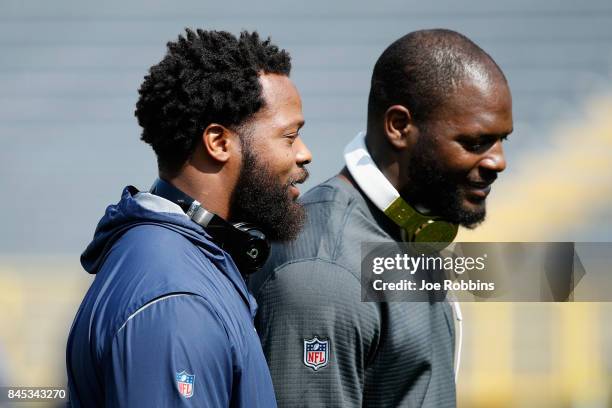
point(385, 159)
point(385, 222)
point(206, 188)
point(345, 176)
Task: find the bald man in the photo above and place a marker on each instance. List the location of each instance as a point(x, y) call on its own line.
point(438, 111)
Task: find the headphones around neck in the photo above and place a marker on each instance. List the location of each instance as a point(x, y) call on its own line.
point(417, 226)
point(245, 242)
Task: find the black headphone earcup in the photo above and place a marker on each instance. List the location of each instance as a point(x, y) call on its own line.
point(251, 251)
point(245, 242)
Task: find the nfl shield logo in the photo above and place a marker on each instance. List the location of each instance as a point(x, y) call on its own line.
point(184, 382)
point(316, 353)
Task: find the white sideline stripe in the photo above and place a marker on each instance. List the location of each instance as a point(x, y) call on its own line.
point(151, 304)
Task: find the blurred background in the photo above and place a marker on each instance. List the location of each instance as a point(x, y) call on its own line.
point(69, 74)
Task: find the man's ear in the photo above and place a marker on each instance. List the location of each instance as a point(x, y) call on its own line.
point(399, 127)
point(220, 142)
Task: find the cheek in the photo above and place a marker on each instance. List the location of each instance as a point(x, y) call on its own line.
point(278, 157)
point(288, 160)
point(449, 161)
point(459, 161)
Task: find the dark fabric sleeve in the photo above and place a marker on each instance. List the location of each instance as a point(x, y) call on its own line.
point(303, 300)
point(172, 344)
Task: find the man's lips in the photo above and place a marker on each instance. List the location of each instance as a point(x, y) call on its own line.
point(479, 190)
point(295, 192)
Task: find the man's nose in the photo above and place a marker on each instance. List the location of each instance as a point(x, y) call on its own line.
point(494, 159)
point(302, 153)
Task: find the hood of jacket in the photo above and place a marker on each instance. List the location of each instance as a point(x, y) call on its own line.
point(140, 208)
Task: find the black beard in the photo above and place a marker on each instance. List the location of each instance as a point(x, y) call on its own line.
point(261, 199)
point(438, 191)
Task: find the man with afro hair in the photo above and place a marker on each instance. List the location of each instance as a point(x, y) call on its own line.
point(168, 319)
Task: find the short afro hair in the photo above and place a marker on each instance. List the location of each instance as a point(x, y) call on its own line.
point(206, 77)
point(422, 69)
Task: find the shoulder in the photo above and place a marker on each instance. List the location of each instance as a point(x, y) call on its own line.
point(306, 273)
point(153, 241)
point(152, 260)
point(311, 286)
point(333, 194)
point(149, 262)
point(152, 268)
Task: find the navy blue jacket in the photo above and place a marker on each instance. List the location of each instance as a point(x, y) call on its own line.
point(168, 320)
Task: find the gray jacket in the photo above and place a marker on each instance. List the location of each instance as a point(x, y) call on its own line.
point(327, 348)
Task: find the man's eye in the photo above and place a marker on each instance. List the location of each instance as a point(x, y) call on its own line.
point(473, 146)
point(292, 136)
point(481, 145)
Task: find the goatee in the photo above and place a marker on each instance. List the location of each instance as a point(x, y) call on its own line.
point(260, 198)
point(438, 191)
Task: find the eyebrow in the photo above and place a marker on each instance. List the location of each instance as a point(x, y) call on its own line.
point(486, 136)
point(299, 125)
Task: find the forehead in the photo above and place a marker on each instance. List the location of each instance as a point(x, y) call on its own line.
point(282, 100)
point(479, 106)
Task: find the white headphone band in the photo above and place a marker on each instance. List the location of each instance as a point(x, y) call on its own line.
point(381, 192)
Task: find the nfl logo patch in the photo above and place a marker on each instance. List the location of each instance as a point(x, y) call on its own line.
point(184, 382)
point(316, 353)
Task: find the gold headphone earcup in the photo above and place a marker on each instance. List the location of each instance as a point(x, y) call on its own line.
point(437, 231)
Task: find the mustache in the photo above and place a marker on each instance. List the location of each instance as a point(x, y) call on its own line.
point(485, 179)
point(481, 183)
point(300, 178)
